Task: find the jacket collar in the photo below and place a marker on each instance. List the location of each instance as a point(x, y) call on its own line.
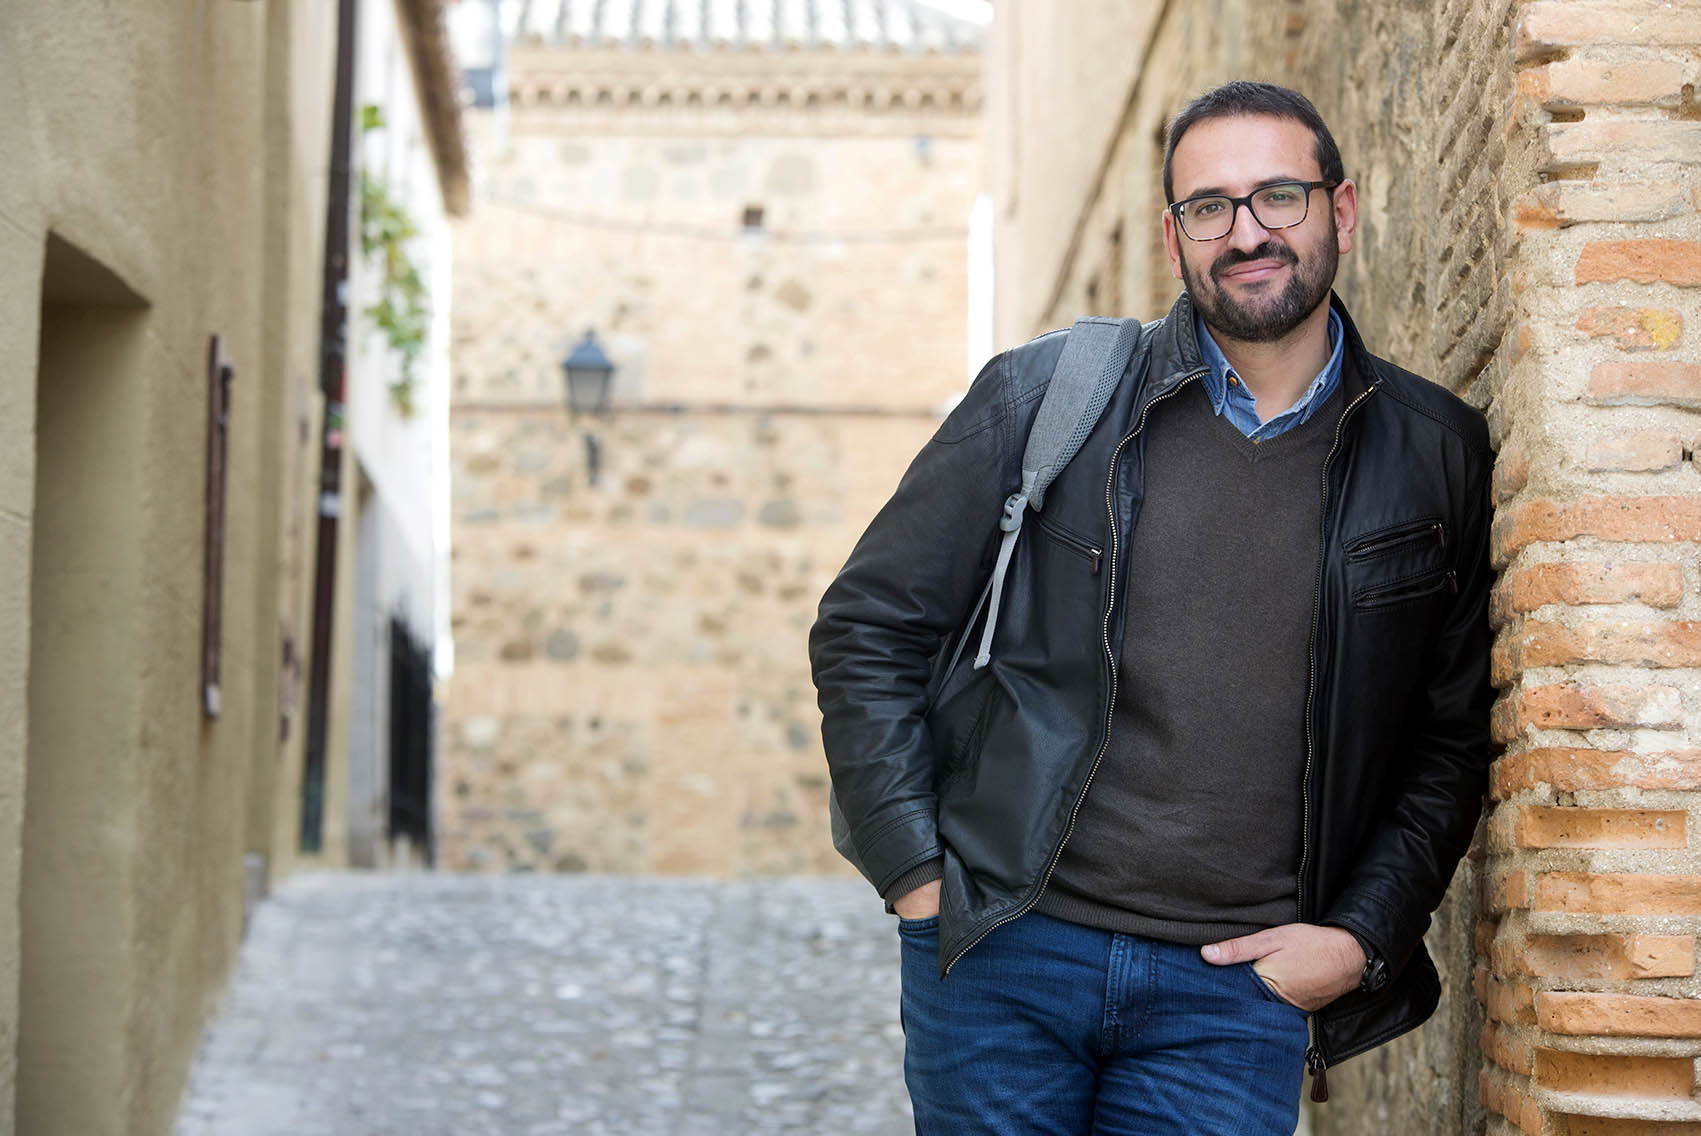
point(1358, 372)
point(1176, 355)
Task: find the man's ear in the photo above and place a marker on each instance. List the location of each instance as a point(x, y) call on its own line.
point(1172, 244)
point(1345, 200)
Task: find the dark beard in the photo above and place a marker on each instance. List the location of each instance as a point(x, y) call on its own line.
point(1270, 321)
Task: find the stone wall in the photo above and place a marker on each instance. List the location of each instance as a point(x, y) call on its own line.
point(1528, 188)
point(632, 690)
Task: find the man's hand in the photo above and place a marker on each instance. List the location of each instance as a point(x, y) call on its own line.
point(922, 903)
point(1306, 965)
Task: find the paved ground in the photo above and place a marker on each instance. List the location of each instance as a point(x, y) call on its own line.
point(370, 1005)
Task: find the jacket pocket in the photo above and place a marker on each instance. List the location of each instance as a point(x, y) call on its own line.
point(1400, 564)
point(1080, 546)
point(957, 724)
point(1405, 537)
point(1404, 591)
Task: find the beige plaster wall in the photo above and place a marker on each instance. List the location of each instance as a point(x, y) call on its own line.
point(125, 867)
point(1058, 78)
point(299, 80)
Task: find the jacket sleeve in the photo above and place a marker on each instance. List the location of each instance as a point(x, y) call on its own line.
point(909, 583)
point(1407, 863)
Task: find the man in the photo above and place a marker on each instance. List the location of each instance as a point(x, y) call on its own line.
point(1232, 739)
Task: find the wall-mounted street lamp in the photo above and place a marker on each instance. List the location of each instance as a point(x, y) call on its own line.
point(589, 375)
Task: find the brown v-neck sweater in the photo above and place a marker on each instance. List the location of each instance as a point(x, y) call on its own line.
point(1191, 828)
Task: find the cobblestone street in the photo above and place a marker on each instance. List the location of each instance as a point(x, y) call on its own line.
point(365, 1005)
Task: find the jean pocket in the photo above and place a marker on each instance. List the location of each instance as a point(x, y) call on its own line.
point(1268, 991)
point(928, 926)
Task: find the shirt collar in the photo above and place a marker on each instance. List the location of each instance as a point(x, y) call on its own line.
point(1218, 370)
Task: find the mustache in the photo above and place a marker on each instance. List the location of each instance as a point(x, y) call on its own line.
point(1269, 250)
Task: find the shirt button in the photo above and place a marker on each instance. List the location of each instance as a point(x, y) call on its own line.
point(1233, 381)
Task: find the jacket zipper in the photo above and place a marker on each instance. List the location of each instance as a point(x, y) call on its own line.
point(1314, 1059)
point(1093, 554)
point(1408, 590)
point(1380, 543)
point(1110, 507)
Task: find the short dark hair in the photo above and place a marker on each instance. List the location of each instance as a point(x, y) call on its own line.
point(1245, 97)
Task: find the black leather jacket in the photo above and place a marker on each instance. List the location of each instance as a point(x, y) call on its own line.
point(988, 768)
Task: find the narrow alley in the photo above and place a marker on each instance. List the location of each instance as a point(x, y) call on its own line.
point(365, 1005)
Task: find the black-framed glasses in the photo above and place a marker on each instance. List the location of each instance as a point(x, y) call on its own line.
point(1281, 205)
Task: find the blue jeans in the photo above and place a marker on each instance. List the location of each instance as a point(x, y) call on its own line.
point(1048, 1027)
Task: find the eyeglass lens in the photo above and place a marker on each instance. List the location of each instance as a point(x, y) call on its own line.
point(1274, 207)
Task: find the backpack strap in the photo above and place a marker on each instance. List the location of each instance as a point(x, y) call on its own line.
point(1095, 355)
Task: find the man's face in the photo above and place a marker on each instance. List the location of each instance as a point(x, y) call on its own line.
point(1257, 285)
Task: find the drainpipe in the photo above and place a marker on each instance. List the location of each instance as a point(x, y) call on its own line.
point(333, 383)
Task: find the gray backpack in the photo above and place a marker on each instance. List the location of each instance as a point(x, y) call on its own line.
point(1095, 355)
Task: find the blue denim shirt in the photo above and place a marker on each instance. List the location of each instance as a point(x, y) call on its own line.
point(1230, 398)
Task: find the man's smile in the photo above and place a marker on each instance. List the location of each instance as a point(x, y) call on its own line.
point(1251, 272)
point(1251, 268)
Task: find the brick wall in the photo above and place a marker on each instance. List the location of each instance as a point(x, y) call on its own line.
point(1587, 937)
point(1529, 239)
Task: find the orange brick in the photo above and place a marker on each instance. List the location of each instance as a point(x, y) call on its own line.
point(1537, 210)
point(1576, 584)
point(1503, 667)
point(1615, 1075)
point(1618, 1015)
point(1573, 706)
point(1647, 518)
point(1623, 957)
point(1509, 1002)
point(1586, 81)
point(1646, 451)
point(1540, 643)
point(1502, 1047)
point(1617, 893)
point(1501, 1097)
point(1511, 891)
point(1647, 261)
point(1529, 1119)
point(1511, 472)
point(1484, 935)
point(1571, 769)
point(1543, 826)
point(1615, 1126)
point(1489, 1089)
point(1547, 24)
point(1619, 384)
point(1504, 724)
point(1506, 958)
point(1634, 329)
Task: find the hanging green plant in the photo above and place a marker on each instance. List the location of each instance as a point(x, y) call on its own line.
point(403, 309)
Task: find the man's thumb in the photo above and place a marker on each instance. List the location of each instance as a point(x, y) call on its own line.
point(1230, 951)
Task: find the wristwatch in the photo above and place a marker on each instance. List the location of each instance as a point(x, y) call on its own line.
point(1375, 974)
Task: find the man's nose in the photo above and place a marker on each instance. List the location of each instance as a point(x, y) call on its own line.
point(1246, 234)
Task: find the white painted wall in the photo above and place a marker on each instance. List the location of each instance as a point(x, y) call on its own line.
point(405, 458)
